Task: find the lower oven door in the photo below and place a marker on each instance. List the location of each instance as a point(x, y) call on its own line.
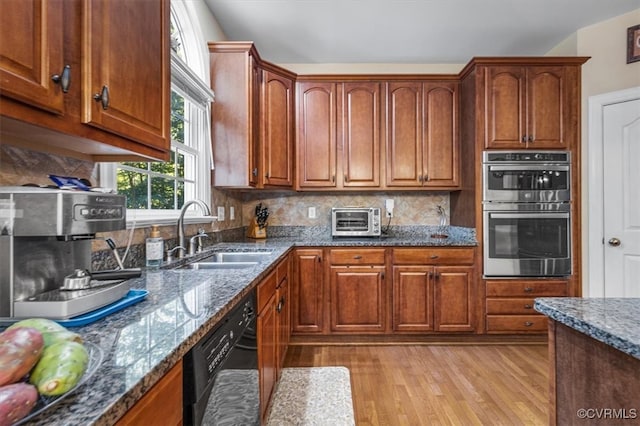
point(527, 243)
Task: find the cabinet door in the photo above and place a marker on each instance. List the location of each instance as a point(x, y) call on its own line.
point(359, 116)
point(127, 69)
point(440, 156)
point(404, 134)
point(307, 299)
point(358, 299)
point(162, 405)
point(454, 296)
point(277, 129)
point(31, 52)
point(505, 118)
point(317, 135)
point(256, 167)
point(412, 298)
point(267, 353)
point(546, 109)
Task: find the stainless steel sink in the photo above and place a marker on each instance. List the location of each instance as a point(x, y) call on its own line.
point(230, 260)
point(220, 265)
point(240, 256)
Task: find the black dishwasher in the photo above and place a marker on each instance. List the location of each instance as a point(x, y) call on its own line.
point(220, 381)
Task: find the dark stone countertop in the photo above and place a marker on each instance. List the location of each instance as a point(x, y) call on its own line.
point(142, 342)
point(613, 321)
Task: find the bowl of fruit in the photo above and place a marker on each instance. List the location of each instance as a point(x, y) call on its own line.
point(41, 363)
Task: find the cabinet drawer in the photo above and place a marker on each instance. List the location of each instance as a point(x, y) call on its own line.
point(519, 323)
point(357, 256)
point(266, 289)
point(434, 256)
point(511, 306)
point(527, 288)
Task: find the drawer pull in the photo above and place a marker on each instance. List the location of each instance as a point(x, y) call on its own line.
point(434, 256)
point(528, 306)
point(528, 289)
point(528, 324)
point(358, 257)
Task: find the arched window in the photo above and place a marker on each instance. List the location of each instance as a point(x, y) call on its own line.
point(157, 191)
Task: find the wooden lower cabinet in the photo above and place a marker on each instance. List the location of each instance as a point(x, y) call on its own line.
point(412, 299)
point(162, 405)
point(267, 353)
point(509, 304)
point(428, 298)
point(273, 331)
point(307, 292)
point(454, 288)
point(358, 299)
point(427, 290)
point(283, 310)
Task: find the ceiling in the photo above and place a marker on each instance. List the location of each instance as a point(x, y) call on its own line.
point(407, 31)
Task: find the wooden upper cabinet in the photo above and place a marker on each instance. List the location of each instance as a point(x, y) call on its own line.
point(126, 72)
point(316, 135)
point(57, 57)
point(277, 129)
point(441, 146)
point(528, 107)
point(422, 134)
point(31, 53)
point(359, 124)
point(235, 79)
point(404, 134)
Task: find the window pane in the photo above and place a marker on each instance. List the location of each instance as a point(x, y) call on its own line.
point(167, 168)
point(139, 165)
point(190, 166)
point(180, 166)
point(177, 45)
point(162, 193)
point(177, 117)
point(134, 186)
point(181, 194)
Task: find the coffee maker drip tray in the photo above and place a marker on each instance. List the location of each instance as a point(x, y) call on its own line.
point(62, 304)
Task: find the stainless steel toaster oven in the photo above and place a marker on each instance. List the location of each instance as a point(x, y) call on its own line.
point(355, 222)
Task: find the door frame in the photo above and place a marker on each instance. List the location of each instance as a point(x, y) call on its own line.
point(595, 171)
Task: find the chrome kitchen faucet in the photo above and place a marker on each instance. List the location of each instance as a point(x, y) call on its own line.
point(205, 209)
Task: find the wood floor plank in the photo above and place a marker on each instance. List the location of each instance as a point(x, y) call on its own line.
point(439, 384)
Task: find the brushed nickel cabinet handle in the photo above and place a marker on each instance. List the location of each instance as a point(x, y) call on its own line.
point(357, 257)
point(103, 97)
point(528, 324)
point(528, 289)
point(63, 79)
point(528, 306)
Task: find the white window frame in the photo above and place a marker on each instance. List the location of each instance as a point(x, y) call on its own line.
point(189, 84)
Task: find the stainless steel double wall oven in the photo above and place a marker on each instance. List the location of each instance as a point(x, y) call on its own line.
point(527, 213)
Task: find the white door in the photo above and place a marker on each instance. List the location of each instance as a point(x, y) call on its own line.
point(621, 197)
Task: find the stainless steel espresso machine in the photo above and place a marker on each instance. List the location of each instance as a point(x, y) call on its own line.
point(45, 245)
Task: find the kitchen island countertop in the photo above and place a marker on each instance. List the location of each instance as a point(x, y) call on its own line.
point(613, 321)
point(142, 342)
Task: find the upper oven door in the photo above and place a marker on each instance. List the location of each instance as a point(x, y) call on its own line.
point(526, 183)
point(527, 243)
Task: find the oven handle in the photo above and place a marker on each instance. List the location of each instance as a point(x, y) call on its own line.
point(527, 167)
point(529, 215)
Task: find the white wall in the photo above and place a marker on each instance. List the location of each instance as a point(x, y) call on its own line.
point(606, 71)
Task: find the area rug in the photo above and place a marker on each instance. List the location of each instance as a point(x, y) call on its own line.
point(315, 396)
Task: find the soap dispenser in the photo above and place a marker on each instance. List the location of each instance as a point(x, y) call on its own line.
point(154, 248)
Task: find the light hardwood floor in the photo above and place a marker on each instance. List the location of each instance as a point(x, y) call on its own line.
point(440, 385)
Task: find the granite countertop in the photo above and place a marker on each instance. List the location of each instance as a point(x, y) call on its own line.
point(614, 321)
point(142, 342)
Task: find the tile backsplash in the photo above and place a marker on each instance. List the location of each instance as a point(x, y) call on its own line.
point(291, 209)
point(19, 166)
